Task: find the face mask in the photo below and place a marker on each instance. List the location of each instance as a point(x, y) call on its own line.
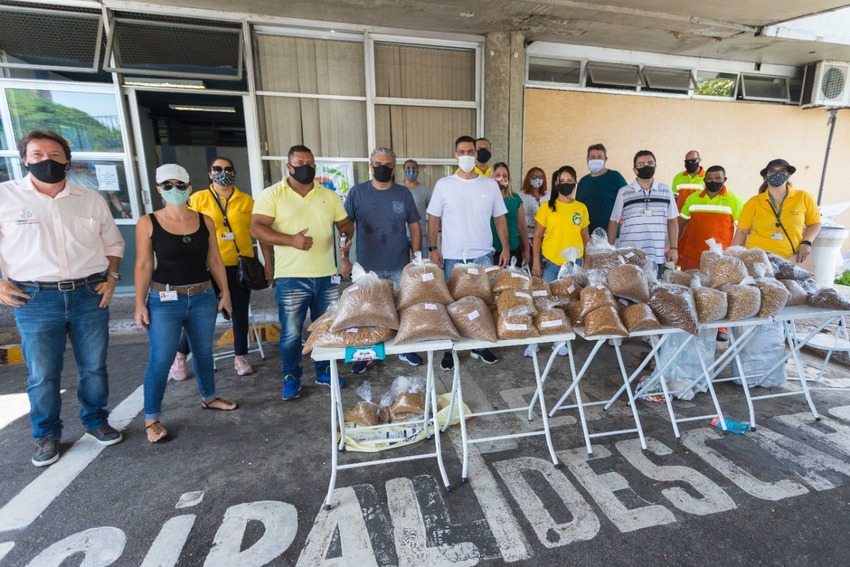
point(776, 179)
point(503, 183)
point(48, 171)
point(691, 166)
point(537, 183)
point(595, 165)
point(714, 186)
point(223, 178)
point(647, 172)
point(565, 189)
point(382, 173)
point(304, 174)
point(176, 196)
point(466, 163)
point(484, 155)
point(411, 173)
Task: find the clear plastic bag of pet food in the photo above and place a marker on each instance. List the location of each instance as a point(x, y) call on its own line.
point(368, 302)
point(639, 317)
point(472, 319)
point(566, 288)
point(677, 277)
point(365, 412)
point(574, 311)
point(727, 270)
point(774, 296)
point(711, 303)
point(514, 302)
point(752, 256)
point(786, 270)
point(552, 322)
point(543, 303)
point(468, 279)
point(425, 321)
point(604, 321)
point(329, 313)
point(634, 256)
point(408, 398)
point(570, 269)
point(512, 278)
point(796, 294)
point(629, 281)
point(422, 280)
point(701, 277)
point(540, 289)
point(516, 327)
point(595, 295)
point(744, 301)
point(323, 337)
point(710, 256)
point(829, 298)
point(674, 306)
point(599, 254)
point(492, 273)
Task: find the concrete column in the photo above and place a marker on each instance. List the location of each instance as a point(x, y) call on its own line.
point(504, 75)
point(516, 114)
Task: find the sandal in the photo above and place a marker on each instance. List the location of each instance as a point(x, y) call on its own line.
point(159, 432)
point(208, 405)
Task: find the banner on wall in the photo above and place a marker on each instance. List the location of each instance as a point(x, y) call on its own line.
point(338, 176)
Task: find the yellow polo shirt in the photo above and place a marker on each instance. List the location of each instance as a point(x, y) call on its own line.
point(239, 207)
point(292, 213)
point(563, 228)
point(798, 211)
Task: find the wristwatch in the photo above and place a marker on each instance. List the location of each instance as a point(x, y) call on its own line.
point(807, 243)
point(115, 275)
point(432, 248)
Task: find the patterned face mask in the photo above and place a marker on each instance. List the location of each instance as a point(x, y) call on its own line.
point(776, 179)
point(410, 173)
point(223, 178)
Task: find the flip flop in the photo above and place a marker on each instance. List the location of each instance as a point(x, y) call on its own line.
point(206, 405)
point(164, 439)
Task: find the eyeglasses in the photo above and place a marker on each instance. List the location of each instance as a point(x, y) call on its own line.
point(780, 170)
point(168, 185)
point(642, 164)
point(219, 169)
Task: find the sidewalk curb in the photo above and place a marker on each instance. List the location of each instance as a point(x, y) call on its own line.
point(11, 354)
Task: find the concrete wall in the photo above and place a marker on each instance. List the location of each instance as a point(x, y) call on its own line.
point(742, 137)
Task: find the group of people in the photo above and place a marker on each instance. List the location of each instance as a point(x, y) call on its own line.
point(187, 252)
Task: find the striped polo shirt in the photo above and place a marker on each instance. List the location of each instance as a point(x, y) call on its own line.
point(709, 218)
point(644, 216)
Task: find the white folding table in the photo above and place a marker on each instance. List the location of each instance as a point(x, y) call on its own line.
point(457, 392)
point(335, 355)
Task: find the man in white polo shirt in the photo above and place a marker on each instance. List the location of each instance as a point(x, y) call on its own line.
point(648, 213)
point(59, 252)
point(461, 207)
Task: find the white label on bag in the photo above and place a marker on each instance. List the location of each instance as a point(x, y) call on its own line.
point(516, 326)
point(431, 306)
point(522, 294)
point(473, 271)
point(352, 330)
point(516, 275)
point(353, 288)
point(474, 315)
point(540, 293)
point(491, 268)
point(630, 254)
point(571, 289)
point(427, 277)
point(547, 324)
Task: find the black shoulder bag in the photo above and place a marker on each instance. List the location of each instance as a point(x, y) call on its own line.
point(250, 273)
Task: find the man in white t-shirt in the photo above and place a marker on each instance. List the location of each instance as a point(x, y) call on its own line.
point(461, 207)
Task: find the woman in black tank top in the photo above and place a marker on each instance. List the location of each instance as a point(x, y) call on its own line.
point(176, 252)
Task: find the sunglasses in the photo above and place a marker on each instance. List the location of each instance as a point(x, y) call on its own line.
point(219, 169)
point(168, 185)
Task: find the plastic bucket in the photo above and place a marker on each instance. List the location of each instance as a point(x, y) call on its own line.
point(826, 253)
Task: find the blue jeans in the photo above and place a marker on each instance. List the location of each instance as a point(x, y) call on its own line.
point(448, 265)
point(196, 315)
point(293, 297)
point(392, 275)
point(551, 269)
point(44, 322)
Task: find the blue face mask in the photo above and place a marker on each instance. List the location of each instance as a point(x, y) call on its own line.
point(411, 173)
point(176, 196)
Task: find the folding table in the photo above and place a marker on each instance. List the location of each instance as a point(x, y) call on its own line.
point(457, 392)
point(333, 356)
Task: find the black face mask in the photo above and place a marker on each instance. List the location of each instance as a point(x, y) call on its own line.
point(565, 189)
point(691, 166)
point(483, 155)
point(647, 172)
point(48, 171)
point(304, 174)
point(382, 173)
point(714, 186)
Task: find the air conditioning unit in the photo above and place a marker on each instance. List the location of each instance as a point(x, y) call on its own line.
point(826, 84)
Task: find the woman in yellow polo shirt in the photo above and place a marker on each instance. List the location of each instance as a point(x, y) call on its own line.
point(560, 224)
point(779, 219)
point(230, 210)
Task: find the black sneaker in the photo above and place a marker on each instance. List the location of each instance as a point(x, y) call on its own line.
point(105, 434)
point(46, 452)
point(484, 355)
point(448, 363)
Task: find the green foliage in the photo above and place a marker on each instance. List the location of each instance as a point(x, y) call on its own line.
point(717, 87)
point(843, 279)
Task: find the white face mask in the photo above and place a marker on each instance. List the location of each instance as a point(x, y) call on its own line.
point(537, 183)
point(595, 165)
point(466, 163)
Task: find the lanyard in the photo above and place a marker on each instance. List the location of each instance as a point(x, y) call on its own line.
point(223, 209)
point(772, 202)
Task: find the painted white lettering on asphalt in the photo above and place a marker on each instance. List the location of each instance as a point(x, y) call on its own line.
point(33, 500)
point(346, 517)
point(804, 460)
point(165, 549)
point(100, 546)
point(509, 537)
point(5, 548)
point(409, 532)
point(696, 441)
point(837, 439)
point(280, 523)
point(714, 499)
point(602, 487)
point(12, 407)
point(584, 524)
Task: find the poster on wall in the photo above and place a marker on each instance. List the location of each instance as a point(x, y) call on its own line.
point(338, 176)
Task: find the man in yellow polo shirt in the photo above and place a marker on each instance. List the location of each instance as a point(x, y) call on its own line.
point(297, 216)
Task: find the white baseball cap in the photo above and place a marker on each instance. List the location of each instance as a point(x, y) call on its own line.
point(171, 171)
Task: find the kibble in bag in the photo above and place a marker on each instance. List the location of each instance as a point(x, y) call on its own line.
point(634, 256)
point(751, 257)
point(711, 303)
point(513, 302)
point(595, 295)
point(472, 319)
point(628, 281)
point(829, 298)
point(565, 288)
point(639, 317)
point(323, 337)
point(425, 322)
point(516, 327)
point(604, 321)
point(512, 278)
point(674, 306)
point(744, 301)
point(368, 302)
point(365, 412)
point(539, 288)
point(552, 322)
point(677, 277)
point(785, 270)
point(774, 296)
point(469, 279)
point(422, 280)
point(796, 294)
point(574, 311)
point(727, 270)
point(710, 256)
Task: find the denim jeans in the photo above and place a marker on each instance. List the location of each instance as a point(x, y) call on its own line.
point(551, 269)
point(448, 265)
point(293, 297)
point(196, 315)
point(44, 322)
point(392, 275)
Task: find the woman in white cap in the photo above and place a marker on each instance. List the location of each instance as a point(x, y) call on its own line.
point(779, 219)
point(178, 294)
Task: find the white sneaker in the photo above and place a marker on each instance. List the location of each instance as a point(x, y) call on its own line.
point(529, 351)
point(562, 351)
point(240, 363)
point(178, 368)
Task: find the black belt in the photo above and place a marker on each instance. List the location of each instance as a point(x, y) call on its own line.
point(65, 285)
